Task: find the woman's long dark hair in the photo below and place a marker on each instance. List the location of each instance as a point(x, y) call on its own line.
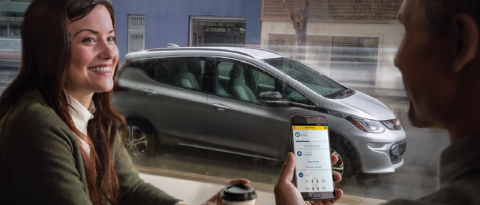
point(46, 55)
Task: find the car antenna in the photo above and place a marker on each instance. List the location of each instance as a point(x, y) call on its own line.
point(171, 45)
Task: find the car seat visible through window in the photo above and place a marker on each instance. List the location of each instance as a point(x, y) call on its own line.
point(185, 78)
point(238, 86)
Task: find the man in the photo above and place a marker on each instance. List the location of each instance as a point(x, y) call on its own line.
point(440, 61)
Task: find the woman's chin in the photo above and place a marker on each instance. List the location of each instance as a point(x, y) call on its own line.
point(104, 88)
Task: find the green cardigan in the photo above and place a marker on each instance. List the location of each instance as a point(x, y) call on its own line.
point(40, 161)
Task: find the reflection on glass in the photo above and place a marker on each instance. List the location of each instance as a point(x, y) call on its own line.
point(308, 77)
point(217, 31)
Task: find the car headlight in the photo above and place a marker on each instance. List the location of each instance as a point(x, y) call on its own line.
point(365, 125)
point(392, 124)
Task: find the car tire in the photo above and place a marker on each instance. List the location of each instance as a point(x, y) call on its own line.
point(141, 140)
point(347, 165)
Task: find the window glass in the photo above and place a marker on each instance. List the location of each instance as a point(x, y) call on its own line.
point(3, 30)
point(345, 56)
point(308, 77)
point(217, 31)
point(239, 81)
point(294, 95)
point(181, 72)
point(265, 82)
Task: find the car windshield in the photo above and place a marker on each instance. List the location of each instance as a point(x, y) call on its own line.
point(312, 79)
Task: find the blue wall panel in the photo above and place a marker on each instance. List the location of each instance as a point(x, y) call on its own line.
point(167, 21)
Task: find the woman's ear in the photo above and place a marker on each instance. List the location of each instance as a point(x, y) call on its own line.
point(465, 34)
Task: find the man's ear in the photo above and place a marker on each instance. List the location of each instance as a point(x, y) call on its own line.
point(466, 38)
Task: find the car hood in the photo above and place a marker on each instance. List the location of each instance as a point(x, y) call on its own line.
point(361, 105)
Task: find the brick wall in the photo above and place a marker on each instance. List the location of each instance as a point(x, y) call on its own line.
point(342, 11)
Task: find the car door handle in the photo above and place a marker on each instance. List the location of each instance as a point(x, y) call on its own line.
point(220, 107)
point(149, 92)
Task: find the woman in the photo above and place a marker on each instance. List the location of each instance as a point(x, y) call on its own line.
point(58, 126)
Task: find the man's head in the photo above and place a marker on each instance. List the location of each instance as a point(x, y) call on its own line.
point(439, 59)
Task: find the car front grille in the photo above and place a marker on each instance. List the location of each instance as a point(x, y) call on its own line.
point(397, 150)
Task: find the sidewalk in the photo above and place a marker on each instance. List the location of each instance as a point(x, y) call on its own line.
point(196, 189)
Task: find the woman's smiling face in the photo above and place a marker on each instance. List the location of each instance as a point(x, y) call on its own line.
point(94, 53)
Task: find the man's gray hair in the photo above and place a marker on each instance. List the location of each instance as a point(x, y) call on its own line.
point(440, 13)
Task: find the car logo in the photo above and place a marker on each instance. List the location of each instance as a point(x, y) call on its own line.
point(299, 153)
point(297, 134)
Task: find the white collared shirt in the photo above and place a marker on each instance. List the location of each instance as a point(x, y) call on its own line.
point(80, 117)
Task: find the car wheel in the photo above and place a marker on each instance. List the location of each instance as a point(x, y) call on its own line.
point(344, 166)
point(141, 140)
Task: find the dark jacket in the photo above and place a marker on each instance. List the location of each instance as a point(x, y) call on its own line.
point(459, 176)
point(40, 161)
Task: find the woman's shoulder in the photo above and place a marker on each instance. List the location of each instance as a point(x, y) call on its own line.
point(31, 113)
point(32, 106)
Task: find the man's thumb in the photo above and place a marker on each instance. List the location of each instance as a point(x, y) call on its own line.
point(286, 175)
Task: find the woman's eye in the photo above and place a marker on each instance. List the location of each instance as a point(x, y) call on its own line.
point(111, 39)
point(88, 40)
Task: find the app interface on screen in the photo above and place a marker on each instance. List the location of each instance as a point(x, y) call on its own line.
point(312, 155)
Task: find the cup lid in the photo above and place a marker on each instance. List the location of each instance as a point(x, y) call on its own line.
point(238, 192)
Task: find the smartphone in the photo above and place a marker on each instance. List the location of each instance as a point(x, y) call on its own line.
point(310, 144)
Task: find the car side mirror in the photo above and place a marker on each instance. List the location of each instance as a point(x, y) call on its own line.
point(275, 98)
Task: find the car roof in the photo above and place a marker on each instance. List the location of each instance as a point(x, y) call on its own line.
point(254, 53)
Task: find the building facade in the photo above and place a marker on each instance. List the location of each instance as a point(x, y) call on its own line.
point(353, 42)
point(145, 24)
point(11, 17)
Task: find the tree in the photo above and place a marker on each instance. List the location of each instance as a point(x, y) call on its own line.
point(300, 26)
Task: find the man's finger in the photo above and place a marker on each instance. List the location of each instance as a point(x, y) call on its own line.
point(334, 159)
point(287, 169)
point(338, 195)
point(337, 177)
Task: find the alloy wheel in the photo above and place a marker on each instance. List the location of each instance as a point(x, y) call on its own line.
point(339, 166)
point(136, 141)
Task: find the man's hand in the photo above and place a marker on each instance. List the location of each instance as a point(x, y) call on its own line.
point(287, 194)
point(216, 200)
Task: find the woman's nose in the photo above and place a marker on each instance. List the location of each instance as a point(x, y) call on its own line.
point(107, 50)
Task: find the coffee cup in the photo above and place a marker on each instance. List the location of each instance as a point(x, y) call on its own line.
point(238, 194)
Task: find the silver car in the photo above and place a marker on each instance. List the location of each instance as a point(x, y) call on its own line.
point(240, 100)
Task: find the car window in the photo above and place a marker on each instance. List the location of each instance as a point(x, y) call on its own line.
point(293, 95)
point(241, 81)
point(181, 72)
point(265, 82)
point(234, 80)
point(223, 69)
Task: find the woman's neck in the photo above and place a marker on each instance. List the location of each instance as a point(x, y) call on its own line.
point(84, 98)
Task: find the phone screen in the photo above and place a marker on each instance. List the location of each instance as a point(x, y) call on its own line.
point(313, 161)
